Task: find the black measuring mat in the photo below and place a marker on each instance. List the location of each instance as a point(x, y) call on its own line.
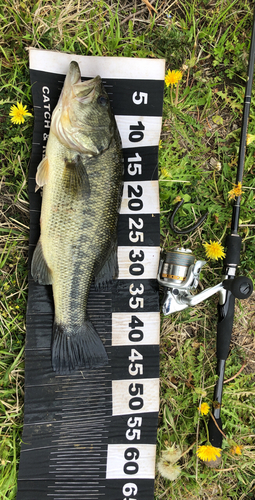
point(91, 435)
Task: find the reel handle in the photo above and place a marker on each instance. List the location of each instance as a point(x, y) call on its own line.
point(241, 287)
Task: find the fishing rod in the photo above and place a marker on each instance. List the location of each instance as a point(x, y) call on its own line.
point(179, 274)
point(226, 307)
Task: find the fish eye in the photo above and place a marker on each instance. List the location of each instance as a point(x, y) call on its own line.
point(102, 100)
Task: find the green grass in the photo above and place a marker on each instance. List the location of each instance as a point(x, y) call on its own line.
point(209, 42)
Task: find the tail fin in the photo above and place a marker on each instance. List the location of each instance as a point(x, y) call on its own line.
point(76, 348)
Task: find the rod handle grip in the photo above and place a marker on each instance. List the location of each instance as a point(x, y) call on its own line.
point(233, 248)
point(225, 326)
point(215, 436)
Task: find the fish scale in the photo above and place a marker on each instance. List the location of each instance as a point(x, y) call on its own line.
point(81, 197)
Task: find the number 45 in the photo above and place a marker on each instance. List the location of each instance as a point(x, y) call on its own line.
point(134, 367)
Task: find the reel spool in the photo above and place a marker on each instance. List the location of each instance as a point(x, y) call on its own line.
point(176, 265)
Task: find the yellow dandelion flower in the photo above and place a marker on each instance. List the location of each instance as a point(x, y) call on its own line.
point(18, 113)
point(177, 199)
point(208, 453)
point(236, 450)
point(250, 138)
point(164, 172)
point(214, 250)
point(173, 77)
point(235, 192)
point(160, 144)
point(204, 408)
point(168, 470)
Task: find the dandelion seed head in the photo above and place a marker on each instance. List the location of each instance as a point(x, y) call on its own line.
point(172, 454)
point(185, 67)
point(168, 470)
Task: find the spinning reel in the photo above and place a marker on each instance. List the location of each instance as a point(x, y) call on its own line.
point(179, 275)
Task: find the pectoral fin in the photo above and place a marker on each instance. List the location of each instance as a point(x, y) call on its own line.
point(39, 268)
point(42, 173)
point(76, 178)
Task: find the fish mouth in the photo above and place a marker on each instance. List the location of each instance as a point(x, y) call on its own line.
point(73, 75)
point(73, 86)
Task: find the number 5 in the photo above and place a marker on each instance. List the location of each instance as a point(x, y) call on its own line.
point(140, 97)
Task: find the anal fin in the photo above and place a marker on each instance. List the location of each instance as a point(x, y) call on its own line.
point(109, 270)
point(39, 268)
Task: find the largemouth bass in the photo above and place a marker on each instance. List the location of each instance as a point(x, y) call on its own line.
point(81, 175)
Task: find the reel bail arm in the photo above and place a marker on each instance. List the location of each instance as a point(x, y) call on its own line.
point(188, 229)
